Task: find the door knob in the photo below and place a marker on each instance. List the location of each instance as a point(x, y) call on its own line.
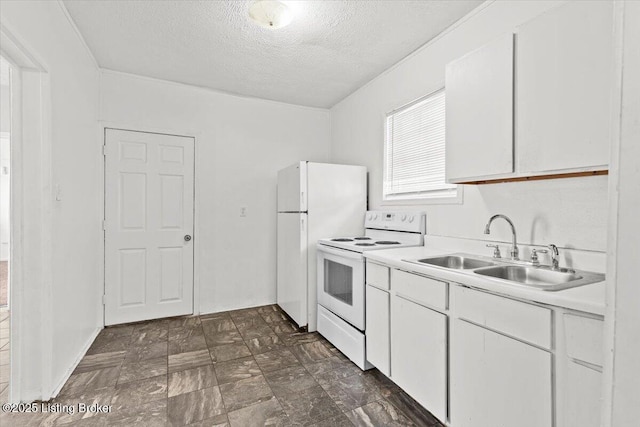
point(187, 238)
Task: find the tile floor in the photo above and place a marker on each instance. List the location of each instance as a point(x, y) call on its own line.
point(240, 368)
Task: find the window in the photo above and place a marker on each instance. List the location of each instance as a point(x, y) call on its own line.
point(414, 162)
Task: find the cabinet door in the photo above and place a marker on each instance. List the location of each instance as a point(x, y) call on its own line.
point(583, 396)
point(564, 86)
point(498, 381)
point(479, 112)
point(419, 354)
point(377, 329)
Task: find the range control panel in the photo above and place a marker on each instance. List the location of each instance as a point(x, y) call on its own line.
point(410, 221)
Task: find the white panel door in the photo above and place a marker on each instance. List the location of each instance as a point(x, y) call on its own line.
point(292, 266)
point(498, 381)
point(419, 354)
point(479, 112)
point(148, 226)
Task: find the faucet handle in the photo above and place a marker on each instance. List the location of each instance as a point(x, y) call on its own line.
point(496, 250)
point(534, 255)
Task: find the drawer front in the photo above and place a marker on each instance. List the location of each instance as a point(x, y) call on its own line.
point(584, 338)
point(520, 320)
point(420, 289)
point(377, 275)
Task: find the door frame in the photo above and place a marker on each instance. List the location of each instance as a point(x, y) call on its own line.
point(102, 135)
point(30, 259)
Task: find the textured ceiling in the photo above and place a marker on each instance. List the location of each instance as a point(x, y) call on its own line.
point(329, 50)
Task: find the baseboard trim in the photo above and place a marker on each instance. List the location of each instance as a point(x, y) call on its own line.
point(75, 364)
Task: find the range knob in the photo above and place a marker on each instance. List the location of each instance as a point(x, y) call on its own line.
point(411, 218)
point(403, 217)
point(370, 217)
point(375, 216)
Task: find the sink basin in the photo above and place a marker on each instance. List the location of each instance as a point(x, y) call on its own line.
point(456, 262)
point(547, 279)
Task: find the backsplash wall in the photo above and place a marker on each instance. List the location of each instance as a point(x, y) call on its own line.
point(570, 212)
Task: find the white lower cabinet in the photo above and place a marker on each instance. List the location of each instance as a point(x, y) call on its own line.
point(478, 359)
point(377, 329)
point(583, 359)
point(419, 354)
point(497, 381)
point(583, 396)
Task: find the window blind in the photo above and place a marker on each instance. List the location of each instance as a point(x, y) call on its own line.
point(415, 149)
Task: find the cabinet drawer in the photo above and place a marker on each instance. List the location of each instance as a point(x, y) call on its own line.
point(584, 338)
point(524, 321)
point(377, 275)
point(420, 289)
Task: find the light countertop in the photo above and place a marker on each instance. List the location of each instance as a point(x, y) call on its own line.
point(588, 298)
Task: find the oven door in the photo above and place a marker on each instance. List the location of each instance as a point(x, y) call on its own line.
point(341, 284)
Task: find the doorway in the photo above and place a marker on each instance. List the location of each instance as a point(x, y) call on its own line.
point(5, 226)
point(149, 222)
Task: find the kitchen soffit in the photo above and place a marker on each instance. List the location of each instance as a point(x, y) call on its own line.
point(330, 49)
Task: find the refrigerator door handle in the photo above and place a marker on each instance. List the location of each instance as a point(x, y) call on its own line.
point(301, 224)
point(302, 198)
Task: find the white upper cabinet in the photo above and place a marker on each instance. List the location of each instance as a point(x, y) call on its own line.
point(564, 66)
point(559, 91)
point(479, 112)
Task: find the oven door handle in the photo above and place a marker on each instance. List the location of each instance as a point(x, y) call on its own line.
point(340, 252)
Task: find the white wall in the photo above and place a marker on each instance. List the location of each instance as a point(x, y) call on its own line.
point(241, 143)
point(567, 212)
point(42, 27)
point(622, 366)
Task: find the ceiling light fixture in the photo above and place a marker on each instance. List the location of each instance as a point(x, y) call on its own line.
point(270, 13)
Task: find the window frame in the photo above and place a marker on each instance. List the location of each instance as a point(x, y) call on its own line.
point(438, 196)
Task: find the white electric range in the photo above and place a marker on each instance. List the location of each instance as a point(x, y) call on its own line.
point(341, 276)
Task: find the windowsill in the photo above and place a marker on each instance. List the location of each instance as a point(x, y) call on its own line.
point(457, 200)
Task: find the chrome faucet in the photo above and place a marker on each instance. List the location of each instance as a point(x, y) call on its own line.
point(514, 247)
point(555, 263)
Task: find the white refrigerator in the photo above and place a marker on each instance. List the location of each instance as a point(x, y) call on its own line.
point(315, 200)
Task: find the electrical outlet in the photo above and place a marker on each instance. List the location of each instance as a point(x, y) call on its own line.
point(243, 211)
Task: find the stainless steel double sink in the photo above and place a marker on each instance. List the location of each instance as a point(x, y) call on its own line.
point(521, 273)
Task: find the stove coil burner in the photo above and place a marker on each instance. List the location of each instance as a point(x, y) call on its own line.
point(365, 244)
point(362, 238)
point(342, 240)
point(387, 242)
